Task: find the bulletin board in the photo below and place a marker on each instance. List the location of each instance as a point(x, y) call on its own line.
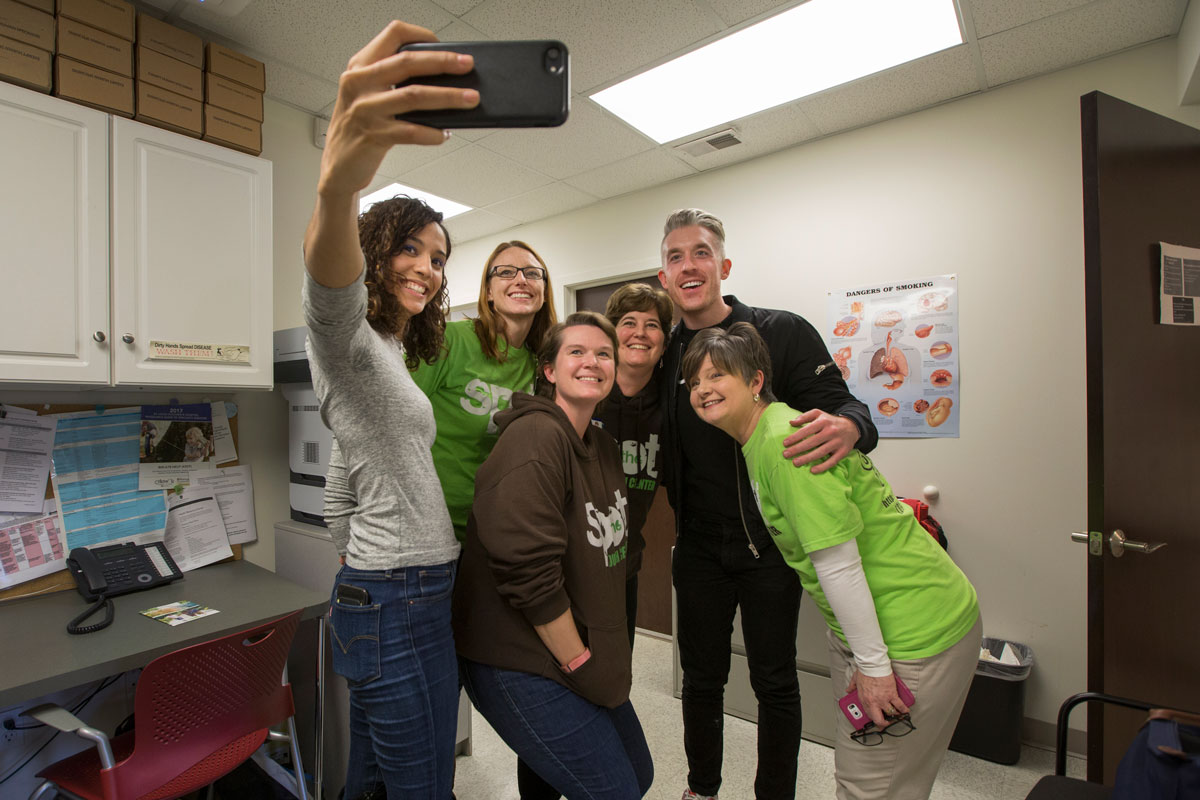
point(59, 581)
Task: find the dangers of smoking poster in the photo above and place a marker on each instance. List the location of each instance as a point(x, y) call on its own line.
point(896, 345)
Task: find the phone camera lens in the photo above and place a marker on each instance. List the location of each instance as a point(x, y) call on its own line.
point(554, 58)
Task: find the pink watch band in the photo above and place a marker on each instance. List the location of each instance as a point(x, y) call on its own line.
point(577, 662)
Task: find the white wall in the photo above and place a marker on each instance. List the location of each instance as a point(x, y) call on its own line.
point(988, 187)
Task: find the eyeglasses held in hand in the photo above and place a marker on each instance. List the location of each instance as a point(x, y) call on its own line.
point(870, 736)
point(509, 272)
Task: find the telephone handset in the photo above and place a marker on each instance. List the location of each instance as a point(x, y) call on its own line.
point(106, 572)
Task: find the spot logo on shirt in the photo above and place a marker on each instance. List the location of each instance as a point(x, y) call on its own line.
point(607, 529)
point(485, 399)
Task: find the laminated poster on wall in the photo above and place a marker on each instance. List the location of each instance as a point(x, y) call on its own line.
point(174, 443)
point(896, 344)
point(1179, 269)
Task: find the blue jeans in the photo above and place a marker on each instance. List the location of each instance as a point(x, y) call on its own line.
point(397, 656)
point(583, 750)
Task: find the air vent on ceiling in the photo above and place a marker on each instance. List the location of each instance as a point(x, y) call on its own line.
point(710, 143)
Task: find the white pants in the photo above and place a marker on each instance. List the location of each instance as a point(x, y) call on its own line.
point(904, 768)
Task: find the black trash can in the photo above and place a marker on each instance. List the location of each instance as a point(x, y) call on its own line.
point(990, 724)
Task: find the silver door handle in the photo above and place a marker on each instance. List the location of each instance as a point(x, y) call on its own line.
point(1117, 543)
point(127, 338)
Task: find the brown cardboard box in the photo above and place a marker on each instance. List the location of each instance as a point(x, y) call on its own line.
point(27, 25)
point(40, 5)
point(233, 96)
point(24, 65)
point(113, 16)
point(169, 73)
point(236, 66)
point(93, 86)
point(232, 130)
point(94, 46)
point(166, 109)
point(169, 40)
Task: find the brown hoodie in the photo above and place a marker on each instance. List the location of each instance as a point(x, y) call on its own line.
point(547, 532)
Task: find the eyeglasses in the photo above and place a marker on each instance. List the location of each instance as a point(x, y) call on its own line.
point(870, 736)
point(509, 272)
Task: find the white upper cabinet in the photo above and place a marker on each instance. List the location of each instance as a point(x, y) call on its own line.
point(191, 259)
point(54, 325)
point(173, 234)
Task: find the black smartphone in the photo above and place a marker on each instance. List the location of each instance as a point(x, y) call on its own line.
point(521, 84)
point(348, 595)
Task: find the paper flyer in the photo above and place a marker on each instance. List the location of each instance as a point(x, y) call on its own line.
point(1180, 282)
point(30, 548)
point(896, 344)
point(174, 442)
point(195, 534)
point(96, 480)
point(26, 441)
point(179, 613)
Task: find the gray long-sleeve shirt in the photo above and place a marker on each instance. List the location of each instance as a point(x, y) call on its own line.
point(384, 426)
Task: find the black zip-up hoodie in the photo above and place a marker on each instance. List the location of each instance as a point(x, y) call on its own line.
point(546, 534)
point(637, 424)
point(707, 479)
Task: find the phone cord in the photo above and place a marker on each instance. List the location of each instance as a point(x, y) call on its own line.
point(74, 627)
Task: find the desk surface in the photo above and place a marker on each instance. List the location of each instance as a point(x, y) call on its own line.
point(41, 657)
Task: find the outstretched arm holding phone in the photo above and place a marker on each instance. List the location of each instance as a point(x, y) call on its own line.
point(362, 130)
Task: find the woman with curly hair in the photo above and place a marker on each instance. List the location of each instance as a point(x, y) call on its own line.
point(374, 301)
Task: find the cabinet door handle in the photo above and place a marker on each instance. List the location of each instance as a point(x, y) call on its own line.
point(99, 336)
point(127, 338)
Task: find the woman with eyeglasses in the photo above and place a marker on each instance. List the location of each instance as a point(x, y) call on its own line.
point(897, 607)
point(539, 612)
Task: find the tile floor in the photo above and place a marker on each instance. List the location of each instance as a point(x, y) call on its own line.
point(489, 773)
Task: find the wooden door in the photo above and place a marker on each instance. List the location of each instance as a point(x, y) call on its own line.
point(1141, 177)
point(191, 259)
point(53, 241)
point(654, 580)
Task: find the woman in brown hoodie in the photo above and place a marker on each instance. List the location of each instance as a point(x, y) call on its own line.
point(539, 606)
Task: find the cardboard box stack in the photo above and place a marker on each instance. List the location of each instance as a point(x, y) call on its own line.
point(102, 53)
point(94, 65)
point(233, 92)
point(27, 43)
point(170, 86)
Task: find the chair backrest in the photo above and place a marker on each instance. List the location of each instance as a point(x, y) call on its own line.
point(191, 703)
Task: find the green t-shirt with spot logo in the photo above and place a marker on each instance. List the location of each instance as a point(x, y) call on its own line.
point(466, 389)
point(924, 602)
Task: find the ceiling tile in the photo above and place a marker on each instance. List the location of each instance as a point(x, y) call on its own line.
point(299, 89)
point(474, 224)
point(900, 90)
point(404, 159)
point(1076, 36)
point(993, 16)
point(590, 138)
point(475, 176)
point(608, 39)
point(734, 12)
point(457, 8)
point(547, 201)
point(639, 172)
point(765, 132)
point(459, 31)
point(314, 37)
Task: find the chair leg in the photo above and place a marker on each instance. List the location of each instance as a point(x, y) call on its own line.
point(41, 791)
point(297, 765)
point(212, 789)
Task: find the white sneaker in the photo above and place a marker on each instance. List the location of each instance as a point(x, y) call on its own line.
point(688, 794)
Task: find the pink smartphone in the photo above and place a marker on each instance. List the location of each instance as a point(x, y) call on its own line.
point(858, 715)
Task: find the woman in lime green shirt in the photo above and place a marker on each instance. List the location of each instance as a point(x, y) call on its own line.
point(895, 604)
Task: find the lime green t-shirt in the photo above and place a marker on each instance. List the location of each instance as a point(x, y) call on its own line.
point(466, 389)
point(923, 601)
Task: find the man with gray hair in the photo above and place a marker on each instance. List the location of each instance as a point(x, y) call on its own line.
point(724, 557)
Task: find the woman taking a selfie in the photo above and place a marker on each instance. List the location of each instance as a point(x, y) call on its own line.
point(539, 611)
point(897, 607)
point(373, 301)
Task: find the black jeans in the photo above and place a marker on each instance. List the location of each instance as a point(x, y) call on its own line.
point(714, 572)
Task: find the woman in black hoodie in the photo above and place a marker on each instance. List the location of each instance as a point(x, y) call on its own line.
point(632, 414)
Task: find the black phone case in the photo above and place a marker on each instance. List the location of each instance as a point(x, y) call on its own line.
point(349, 595)
point(517, 87)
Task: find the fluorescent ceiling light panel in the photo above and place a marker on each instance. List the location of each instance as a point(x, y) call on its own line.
point(804, 50)
point(449, 208)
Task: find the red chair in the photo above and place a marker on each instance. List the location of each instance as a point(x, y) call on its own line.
point(198, 713)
